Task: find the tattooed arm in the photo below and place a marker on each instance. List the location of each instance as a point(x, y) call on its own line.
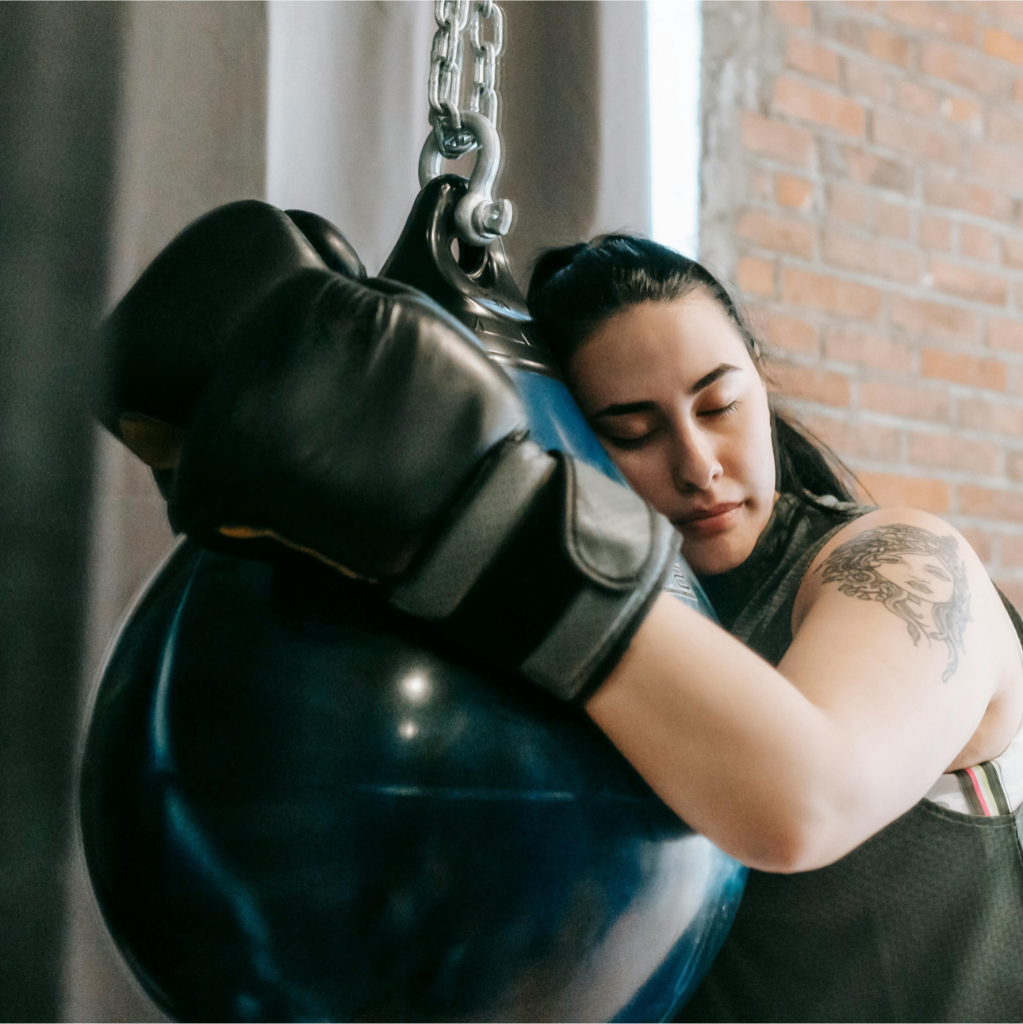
point(903, 665)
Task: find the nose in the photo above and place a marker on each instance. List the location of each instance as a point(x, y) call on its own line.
point(695, 465)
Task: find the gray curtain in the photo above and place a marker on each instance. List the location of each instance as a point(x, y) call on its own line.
point(58, 100)
point(191, 134)
point(348, 116)
point(323, 107)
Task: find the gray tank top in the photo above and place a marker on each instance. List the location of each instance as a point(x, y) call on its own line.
point(922, 922)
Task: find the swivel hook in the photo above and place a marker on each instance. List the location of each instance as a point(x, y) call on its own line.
point(479, 218)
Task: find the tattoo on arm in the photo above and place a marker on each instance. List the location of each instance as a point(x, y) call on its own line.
point(915, 574)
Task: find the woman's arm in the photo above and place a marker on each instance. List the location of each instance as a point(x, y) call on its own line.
point(790, 769)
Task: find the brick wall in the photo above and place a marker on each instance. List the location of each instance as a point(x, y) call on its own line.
point(863, 188)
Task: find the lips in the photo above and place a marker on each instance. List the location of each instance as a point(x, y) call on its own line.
point(697, 515)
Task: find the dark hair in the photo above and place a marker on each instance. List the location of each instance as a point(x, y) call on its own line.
point(575, 288)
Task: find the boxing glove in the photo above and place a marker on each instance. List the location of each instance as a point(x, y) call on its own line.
point(363, 425)
point(166, 339)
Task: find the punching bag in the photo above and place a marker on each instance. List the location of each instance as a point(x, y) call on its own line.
point(296, 804)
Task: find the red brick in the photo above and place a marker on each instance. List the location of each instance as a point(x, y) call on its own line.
point(1005, 129)
point(954, 279)
point(815, 60)
point(859, 440)
point(1001, 44)
point(755, 276)
point(893, 221)
point(911, 137)
point(978, 243)
point(869, 169)
point(888, 47)
point(915, 99)
point(779, 233)
point(865, 79)
point(792, 12)
point(956, 66)
point(934, 318)
point(845, 250)
point(966, 113)
point(789, 333)
point(988, 414)
point(935, 232)
point(943, 188)
point(959, 368)
point(979, 540)
point(831, 294)
point(848, 346)
point(776, 139)
point(953, 452)
point(1014, 466)
point(829, 109)
point(1010, 11)
point(851, 205)
point(990, 503)
point(1014, 379)
point(996, 164)
point(892, 491)
point(809, 383)
point(1005, 335)
point(793, 192)
point(1012, 547)
point(933, 18)
point(914, 403)
point(1012, 251)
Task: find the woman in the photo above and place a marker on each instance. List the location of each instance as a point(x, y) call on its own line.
point(356, 422)
point(886, 661)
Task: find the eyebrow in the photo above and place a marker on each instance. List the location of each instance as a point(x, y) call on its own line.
point(624, 408)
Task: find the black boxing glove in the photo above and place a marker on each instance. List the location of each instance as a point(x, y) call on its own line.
point(170, 334)
point(360, 423)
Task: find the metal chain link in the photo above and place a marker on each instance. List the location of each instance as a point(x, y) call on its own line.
point(479, 218)
point(446, 70)
point(446, 77)
point(485, 55)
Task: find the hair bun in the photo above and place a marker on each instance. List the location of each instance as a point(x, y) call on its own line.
point(552, 262)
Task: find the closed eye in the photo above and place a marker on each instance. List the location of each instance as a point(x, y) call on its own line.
point(629, 443)
point(723, 411)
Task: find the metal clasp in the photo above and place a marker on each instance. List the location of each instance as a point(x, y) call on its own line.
point(479, 218)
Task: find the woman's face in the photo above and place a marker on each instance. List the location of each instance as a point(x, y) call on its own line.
point(673, 394)
point(923, 576)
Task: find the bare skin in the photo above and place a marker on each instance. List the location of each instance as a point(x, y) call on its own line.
point(903, 665)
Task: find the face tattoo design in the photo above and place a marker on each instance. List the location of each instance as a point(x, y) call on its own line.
point(915, 573)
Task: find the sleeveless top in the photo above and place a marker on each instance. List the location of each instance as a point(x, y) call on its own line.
point(922, 922)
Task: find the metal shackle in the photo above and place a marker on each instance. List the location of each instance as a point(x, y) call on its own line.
point(479, 218)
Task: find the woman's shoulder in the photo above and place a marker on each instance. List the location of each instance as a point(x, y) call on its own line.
point(904, 556)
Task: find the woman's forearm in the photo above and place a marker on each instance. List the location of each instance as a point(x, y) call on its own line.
point(729, 744)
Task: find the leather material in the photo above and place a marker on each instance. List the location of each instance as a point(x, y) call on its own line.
point(350, 423)
point(609, 530)
point(333, 248)
point(360, 423)
point(169, 335)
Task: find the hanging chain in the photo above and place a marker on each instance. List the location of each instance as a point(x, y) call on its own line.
point(446, 77)
point(485, 55)
point(479, 218)
point(446, 70)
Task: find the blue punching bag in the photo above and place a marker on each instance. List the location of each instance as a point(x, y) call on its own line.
point(295, 804)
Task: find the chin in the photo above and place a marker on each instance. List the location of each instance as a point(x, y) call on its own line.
point(709, 556)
